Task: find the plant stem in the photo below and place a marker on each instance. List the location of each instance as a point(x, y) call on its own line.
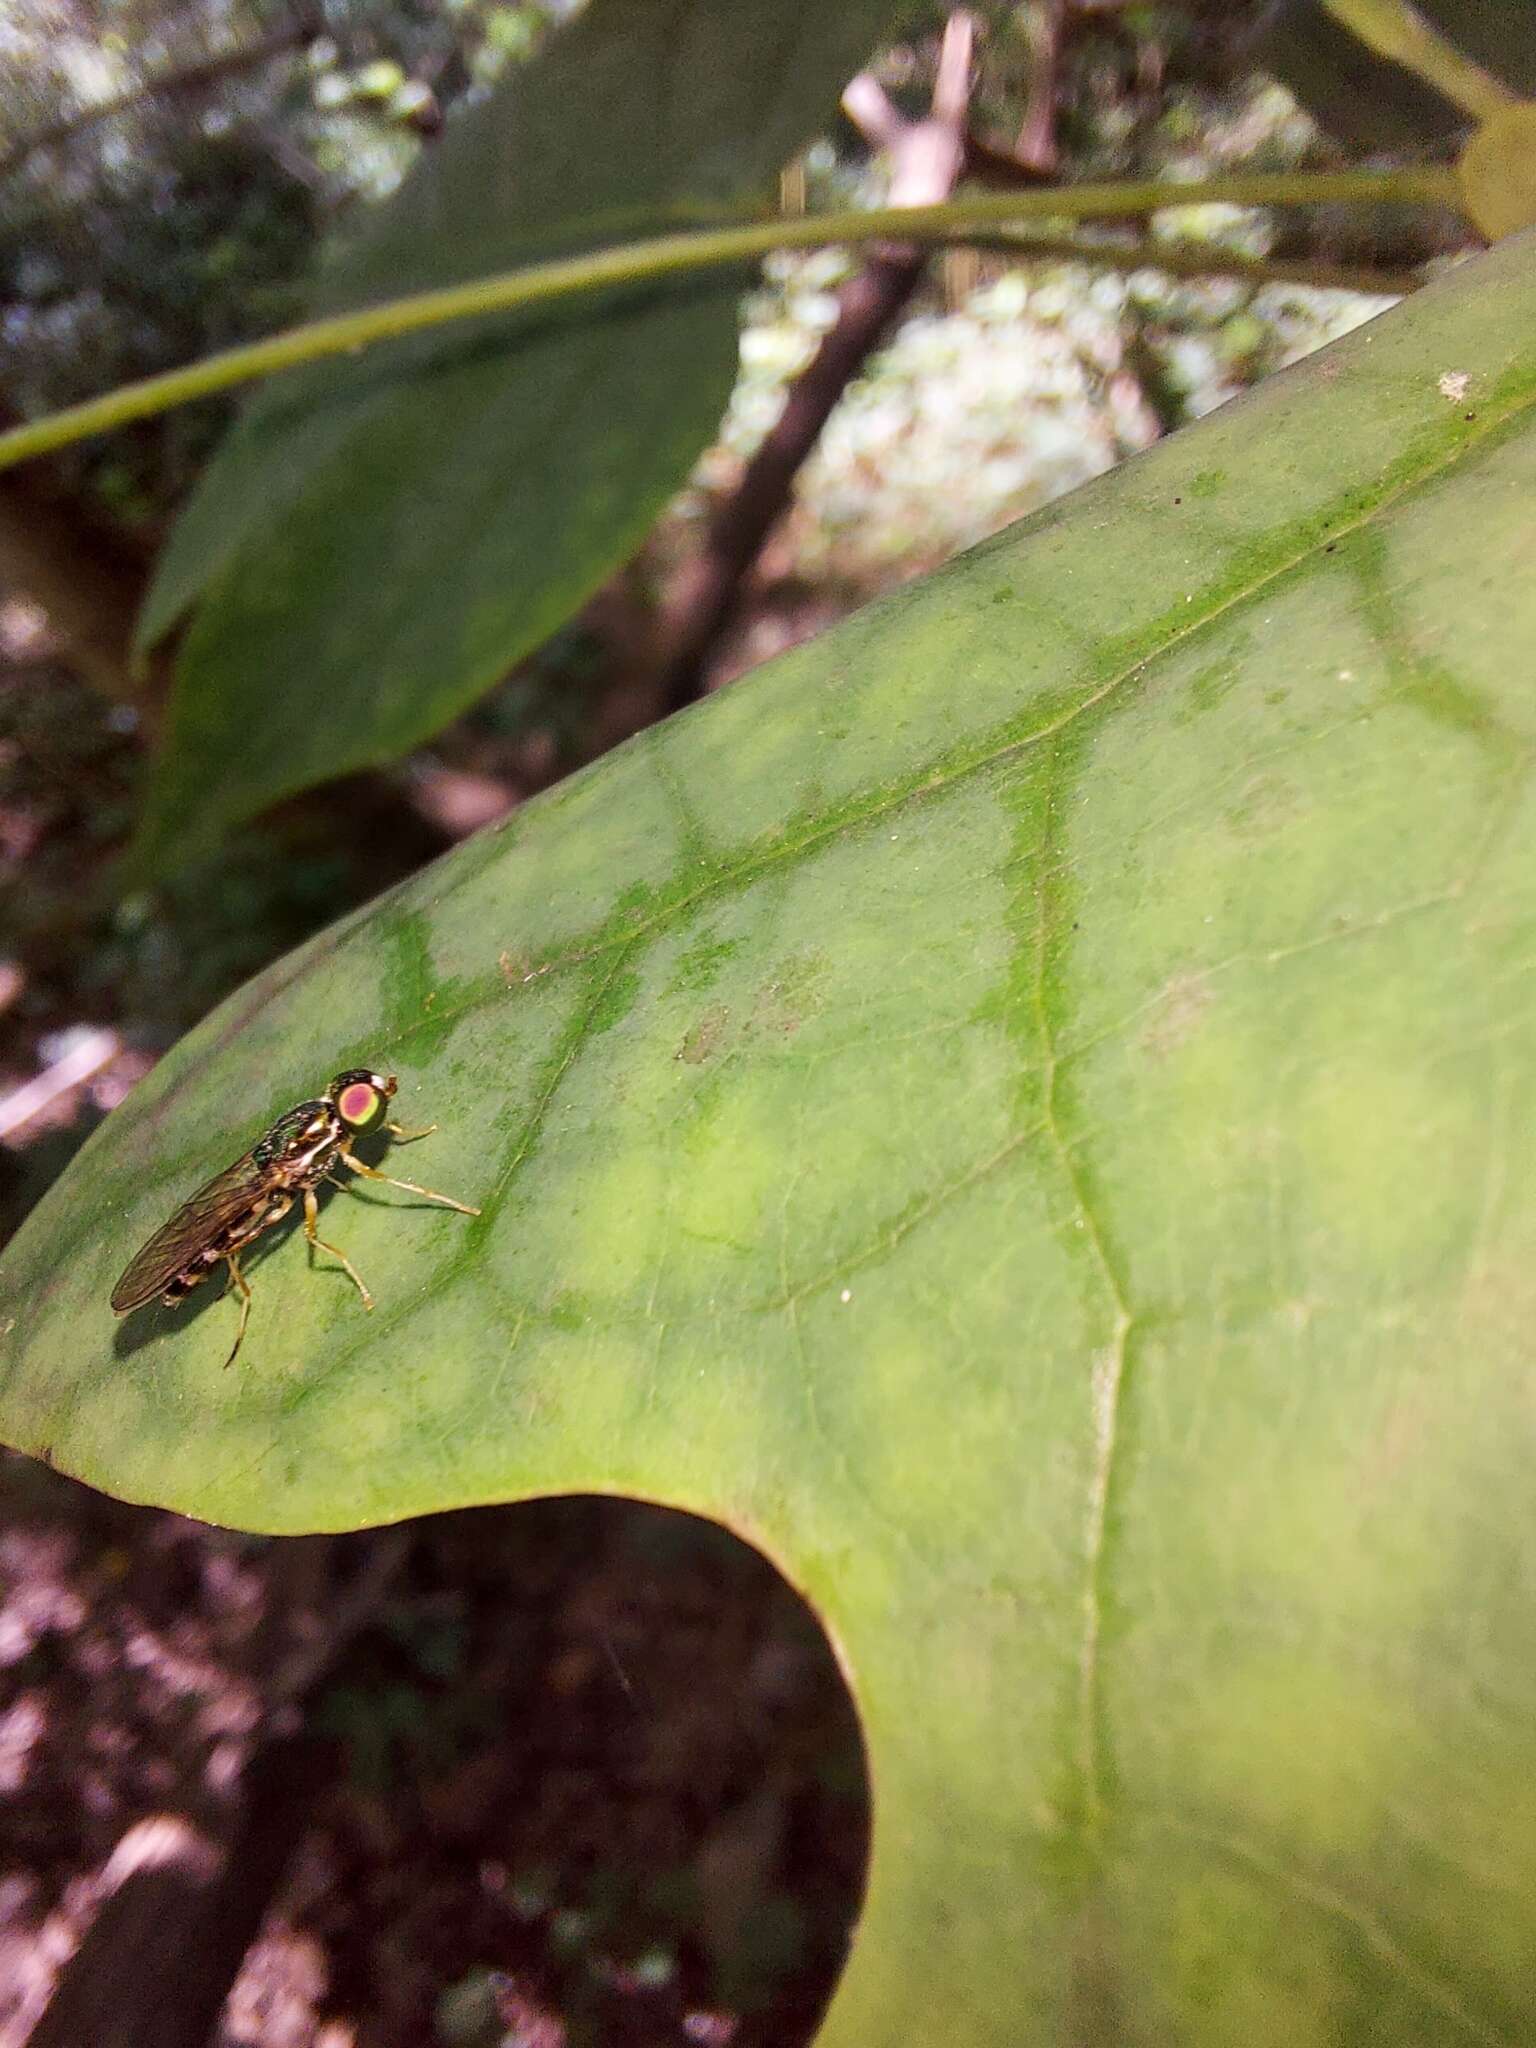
point(677, 255)
point(1396, 30)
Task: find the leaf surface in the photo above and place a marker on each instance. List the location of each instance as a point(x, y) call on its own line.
point(1023, 1110)
point(379, 539)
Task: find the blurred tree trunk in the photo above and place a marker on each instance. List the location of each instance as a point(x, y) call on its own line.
point(157, 1963)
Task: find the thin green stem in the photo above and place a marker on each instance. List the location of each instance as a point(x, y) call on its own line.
point(677, 255)
point(1396, 30)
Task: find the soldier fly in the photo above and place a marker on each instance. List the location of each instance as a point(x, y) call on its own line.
point(301, 1150)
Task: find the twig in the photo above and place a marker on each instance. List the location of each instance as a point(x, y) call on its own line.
point(1036, 144)
point(315, 1615)
point(926, 160)
point(985, 164)
point(868, 305)
point(87, 1057)
point(1397, 31)
point(869, 107)
point(680, 255)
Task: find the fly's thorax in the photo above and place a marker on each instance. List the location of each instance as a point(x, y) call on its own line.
point(302, 1142)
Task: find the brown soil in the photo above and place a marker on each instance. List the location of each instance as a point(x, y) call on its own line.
point(578, 1771)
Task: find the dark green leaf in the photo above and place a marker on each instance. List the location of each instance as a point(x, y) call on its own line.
point(380, 539)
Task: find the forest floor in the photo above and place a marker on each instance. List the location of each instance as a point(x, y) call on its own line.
point(581, 1771)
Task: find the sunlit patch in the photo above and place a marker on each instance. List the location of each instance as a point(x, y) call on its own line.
point(359, 1104)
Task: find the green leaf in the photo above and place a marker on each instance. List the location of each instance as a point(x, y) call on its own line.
point(1023, 1110)
point(378, 540)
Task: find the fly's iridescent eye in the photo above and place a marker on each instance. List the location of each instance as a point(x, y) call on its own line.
point(359, 1104)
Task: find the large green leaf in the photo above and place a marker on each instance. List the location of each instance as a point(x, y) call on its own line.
point(1024, 1110)
point(379, 540)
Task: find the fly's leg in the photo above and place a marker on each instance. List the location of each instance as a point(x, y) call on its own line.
point(402, 1136)
point(410, 1186)
point(311, 1217)
point(244, 1287)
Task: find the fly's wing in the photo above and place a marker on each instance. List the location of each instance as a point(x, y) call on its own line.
point(228, 1196)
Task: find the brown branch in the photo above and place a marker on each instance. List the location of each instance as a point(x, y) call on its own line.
point(927, 158)
point(873, 112)
point(208, 71)
point(986, 164)
point(1036, 144)
point(710, 589)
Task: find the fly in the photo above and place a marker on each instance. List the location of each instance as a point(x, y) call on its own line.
point(301, 1150)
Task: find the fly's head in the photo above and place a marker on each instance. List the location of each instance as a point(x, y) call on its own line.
point(361, 1098)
